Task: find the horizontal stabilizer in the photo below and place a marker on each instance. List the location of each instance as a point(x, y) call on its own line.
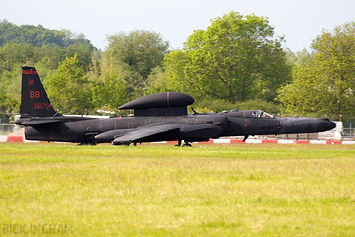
point(39, 122)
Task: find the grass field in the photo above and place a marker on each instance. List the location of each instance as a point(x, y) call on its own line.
point(162, 190)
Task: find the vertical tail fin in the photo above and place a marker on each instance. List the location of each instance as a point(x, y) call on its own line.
point(34, 99)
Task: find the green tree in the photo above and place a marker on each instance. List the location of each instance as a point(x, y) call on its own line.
point(109, 93)
point(12, 54)
point(327, 83)
point(137, 52)
point(335, 59)
point(28, 44)
point(44, 68)
point(219, 105)
point(157, 82)
point(300, 58)
point(27, 54)
point(7, 103)
point(10, 93)
point(38, 36)
point(83, 52)
point(235, 59)
point(10, 84)
point(306, 94)
point(68, 87)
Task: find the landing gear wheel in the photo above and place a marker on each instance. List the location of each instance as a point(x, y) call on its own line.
point(90, 139)
point(187, 145)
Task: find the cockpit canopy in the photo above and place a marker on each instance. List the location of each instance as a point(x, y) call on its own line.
point(257, 114)
point(234, 110)
point(249, 114)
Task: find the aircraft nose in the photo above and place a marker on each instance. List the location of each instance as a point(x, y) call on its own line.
point(332, 125)
point(328, 124)
point(323, 124)
point(309, 125)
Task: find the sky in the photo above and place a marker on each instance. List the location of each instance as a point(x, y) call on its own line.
point(300, 21)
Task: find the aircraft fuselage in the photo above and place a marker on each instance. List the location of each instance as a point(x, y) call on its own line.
point(86, 130)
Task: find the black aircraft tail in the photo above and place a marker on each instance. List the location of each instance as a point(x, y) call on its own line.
point(34, 99)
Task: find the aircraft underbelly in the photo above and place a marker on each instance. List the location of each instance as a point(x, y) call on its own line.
point(62, 132)
point(201, 131)
point(110, 135)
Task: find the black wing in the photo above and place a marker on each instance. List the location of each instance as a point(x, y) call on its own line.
point(168, 132)
point(145, 132)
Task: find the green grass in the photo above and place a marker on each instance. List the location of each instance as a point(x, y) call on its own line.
point(162, 190)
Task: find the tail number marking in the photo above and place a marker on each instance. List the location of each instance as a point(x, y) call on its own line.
point(42, 105)
point(35, 94)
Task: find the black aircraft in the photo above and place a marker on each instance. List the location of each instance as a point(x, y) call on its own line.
point(157, 117)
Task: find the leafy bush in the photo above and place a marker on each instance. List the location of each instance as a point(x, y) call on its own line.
point(219, 105)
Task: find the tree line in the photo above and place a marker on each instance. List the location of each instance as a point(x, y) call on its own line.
point(237, 62)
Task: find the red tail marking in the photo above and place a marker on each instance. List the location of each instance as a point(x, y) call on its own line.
point(29, 72)
point(31, 82)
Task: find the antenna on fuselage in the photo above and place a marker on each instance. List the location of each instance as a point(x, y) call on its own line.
point(195, 112)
